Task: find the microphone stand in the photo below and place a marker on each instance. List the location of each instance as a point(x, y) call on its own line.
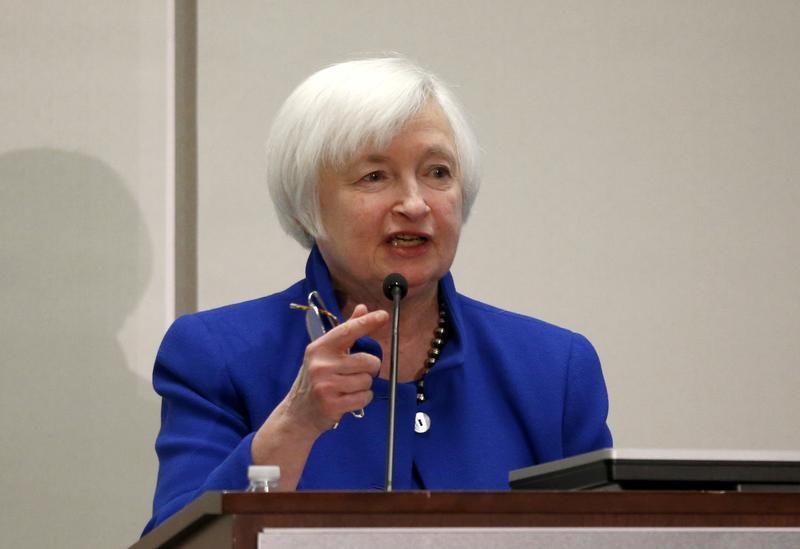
point(396, 297)
point(395, 288)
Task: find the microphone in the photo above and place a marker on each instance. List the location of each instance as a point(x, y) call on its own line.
point(393, 282)
point(395, 288)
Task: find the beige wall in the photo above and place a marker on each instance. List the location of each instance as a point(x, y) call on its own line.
point(641, 186)
point(642, 183)
point(83, 274)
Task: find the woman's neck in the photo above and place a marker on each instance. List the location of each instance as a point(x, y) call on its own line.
point(418, 305)
point(419, 316)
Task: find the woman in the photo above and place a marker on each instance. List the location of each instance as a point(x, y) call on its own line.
point(372, 165)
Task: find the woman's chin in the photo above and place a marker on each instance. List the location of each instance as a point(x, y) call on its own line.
point(420, 265)
point(421, 282)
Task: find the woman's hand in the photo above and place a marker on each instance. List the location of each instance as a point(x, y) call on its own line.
point(332, 381)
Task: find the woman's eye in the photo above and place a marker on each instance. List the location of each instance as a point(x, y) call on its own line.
point(373, 177)
point(440, 172)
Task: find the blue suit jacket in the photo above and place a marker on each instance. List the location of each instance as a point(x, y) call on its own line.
point(508, 391)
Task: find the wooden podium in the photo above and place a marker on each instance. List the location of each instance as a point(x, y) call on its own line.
point(234, 519)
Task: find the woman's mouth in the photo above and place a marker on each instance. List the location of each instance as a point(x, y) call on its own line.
point(406, 240)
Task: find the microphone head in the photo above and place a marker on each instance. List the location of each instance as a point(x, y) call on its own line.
point(395, 280)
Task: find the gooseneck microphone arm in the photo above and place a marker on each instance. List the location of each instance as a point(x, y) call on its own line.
point(395, 288)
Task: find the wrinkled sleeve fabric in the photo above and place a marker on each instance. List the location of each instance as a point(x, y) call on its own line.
point(204, 441)
point(584, 422)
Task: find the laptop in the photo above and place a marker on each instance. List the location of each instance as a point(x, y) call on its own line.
point(650, 469)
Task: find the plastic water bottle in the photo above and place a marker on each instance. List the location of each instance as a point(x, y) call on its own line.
point(263, 478)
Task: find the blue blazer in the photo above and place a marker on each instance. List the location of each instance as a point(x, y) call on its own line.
point(508, 391)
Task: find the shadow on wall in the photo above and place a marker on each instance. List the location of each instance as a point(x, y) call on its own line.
point(77, 441)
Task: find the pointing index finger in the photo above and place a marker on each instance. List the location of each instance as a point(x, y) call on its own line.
point(344, 335)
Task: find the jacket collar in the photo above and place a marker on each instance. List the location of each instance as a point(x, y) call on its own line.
point(318, 278)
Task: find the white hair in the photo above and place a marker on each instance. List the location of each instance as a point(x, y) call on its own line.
point(338, 110)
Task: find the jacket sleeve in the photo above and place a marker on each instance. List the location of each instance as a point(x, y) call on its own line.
point(584, 425)
point(204, 441)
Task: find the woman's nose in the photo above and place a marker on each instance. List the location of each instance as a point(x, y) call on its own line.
point(411, 201)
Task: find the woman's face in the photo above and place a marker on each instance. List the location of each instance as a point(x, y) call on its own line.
point(394, 210)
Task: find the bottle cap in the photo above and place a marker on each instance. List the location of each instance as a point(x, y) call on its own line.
point(264, 472)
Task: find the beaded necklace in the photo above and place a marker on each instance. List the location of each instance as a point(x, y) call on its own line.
point(433, 355)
